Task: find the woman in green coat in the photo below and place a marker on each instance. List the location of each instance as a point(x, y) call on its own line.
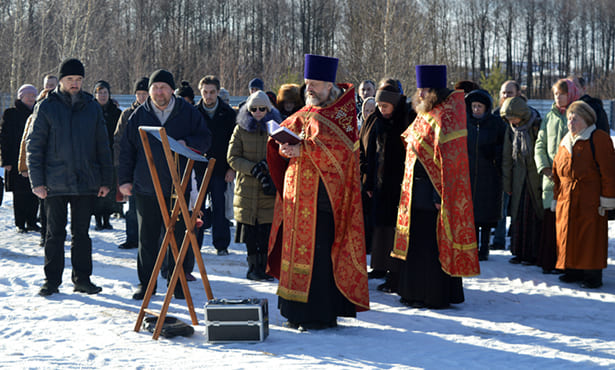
point(520, 178)
point(254, 191)
point(552, 130)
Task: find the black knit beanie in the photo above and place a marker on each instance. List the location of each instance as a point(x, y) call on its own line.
point(71, 67)
point(102, 83)
point(185, 90)
point(162, 75)
point(141, 84)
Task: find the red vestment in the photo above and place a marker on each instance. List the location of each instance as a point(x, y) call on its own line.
point(438, 139)
point(329, 153)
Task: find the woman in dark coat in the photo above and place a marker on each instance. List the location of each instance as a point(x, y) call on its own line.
point(25, 203)
point(385, 155)
point(485, 141)
point(521, 179)
point(107, 205)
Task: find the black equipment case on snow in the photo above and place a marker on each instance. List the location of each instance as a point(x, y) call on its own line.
point(237, 320)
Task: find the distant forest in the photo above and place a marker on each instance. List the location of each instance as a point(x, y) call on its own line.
point(533, 41)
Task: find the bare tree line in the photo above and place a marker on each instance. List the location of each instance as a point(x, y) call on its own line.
point(533, 41)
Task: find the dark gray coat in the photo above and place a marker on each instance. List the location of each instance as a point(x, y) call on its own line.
point(67, 147)
point(485, 145)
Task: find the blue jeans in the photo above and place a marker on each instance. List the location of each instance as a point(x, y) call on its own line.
point(220, 230)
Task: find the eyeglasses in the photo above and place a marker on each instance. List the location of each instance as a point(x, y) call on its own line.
point(261, 109)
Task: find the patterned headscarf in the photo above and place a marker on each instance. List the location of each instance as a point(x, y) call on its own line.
point(573, 94)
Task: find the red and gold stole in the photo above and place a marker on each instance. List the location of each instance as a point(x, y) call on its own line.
point(329, 152)
point(438, 140)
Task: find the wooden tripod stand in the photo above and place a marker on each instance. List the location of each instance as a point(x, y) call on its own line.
point(169, 146)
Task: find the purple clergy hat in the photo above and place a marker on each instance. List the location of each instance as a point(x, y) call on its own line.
point(430, 76)
point(321, 68)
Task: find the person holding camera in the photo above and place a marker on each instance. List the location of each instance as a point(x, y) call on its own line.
point(254, 190)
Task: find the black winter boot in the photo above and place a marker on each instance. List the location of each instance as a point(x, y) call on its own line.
point(253, 270)
point(99, 223)
point(592, 279)
point(106, 224)
point(262, 267)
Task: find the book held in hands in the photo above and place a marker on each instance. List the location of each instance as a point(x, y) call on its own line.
point(282, 134)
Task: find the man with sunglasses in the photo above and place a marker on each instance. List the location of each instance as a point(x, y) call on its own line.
point(317, 245)
point(183, 122)
point(220, 119)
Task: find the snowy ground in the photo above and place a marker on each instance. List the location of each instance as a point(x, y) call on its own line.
point(513, 317)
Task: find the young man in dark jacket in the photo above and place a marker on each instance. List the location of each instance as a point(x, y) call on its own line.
point(141, 95)
point(220, 118)
point(69, 161)
point(182, 122)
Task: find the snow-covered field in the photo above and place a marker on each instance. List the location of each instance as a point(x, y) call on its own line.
point(513, 317)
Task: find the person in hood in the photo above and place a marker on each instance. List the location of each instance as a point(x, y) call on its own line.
point(520, 177)
point(485, 140)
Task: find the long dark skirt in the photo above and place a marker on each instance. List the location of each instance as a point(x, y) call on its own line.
point(547, 251)
point(382, 245)
point(325, 302)
point(421, 278)
point(526, 229)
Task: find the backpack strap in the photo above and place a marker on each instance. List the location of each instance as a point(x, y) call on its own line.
point(593, 148)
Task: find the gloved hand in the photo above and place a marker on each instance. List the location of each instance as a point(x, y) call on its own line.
point(260, 168)
point(267, 184)
point(602, 210)
point(606, 204)
point(261, 172)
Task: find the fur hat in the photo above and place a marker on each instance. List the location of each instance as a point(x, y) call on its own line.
point(256, 83)
point(467, 86)
point(259, 99)
point(162, 75)
point(289, 93)
point(321, 68)
point(430, 76)
point(71, 67)
point(24, 89)
point(141, 84)
point(583, 110)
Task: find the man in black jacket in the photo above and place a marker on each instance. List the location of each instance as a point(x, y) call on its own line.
point(182, 122)
point(220, 118)
point(69, 162)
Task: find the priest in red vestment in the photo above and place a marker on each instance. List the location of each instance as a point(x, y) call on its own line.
point(435, 232)
point(317, 243)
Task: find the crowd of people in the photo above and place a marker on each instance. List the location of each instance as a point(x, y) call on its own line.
point(421, 184)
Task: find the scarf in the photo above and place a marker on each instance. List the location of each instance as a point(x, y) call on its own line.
point(521, 144)
point(569, 140)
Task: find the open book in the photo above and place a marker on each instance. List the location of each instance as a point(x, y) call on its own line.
point(282, 134)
